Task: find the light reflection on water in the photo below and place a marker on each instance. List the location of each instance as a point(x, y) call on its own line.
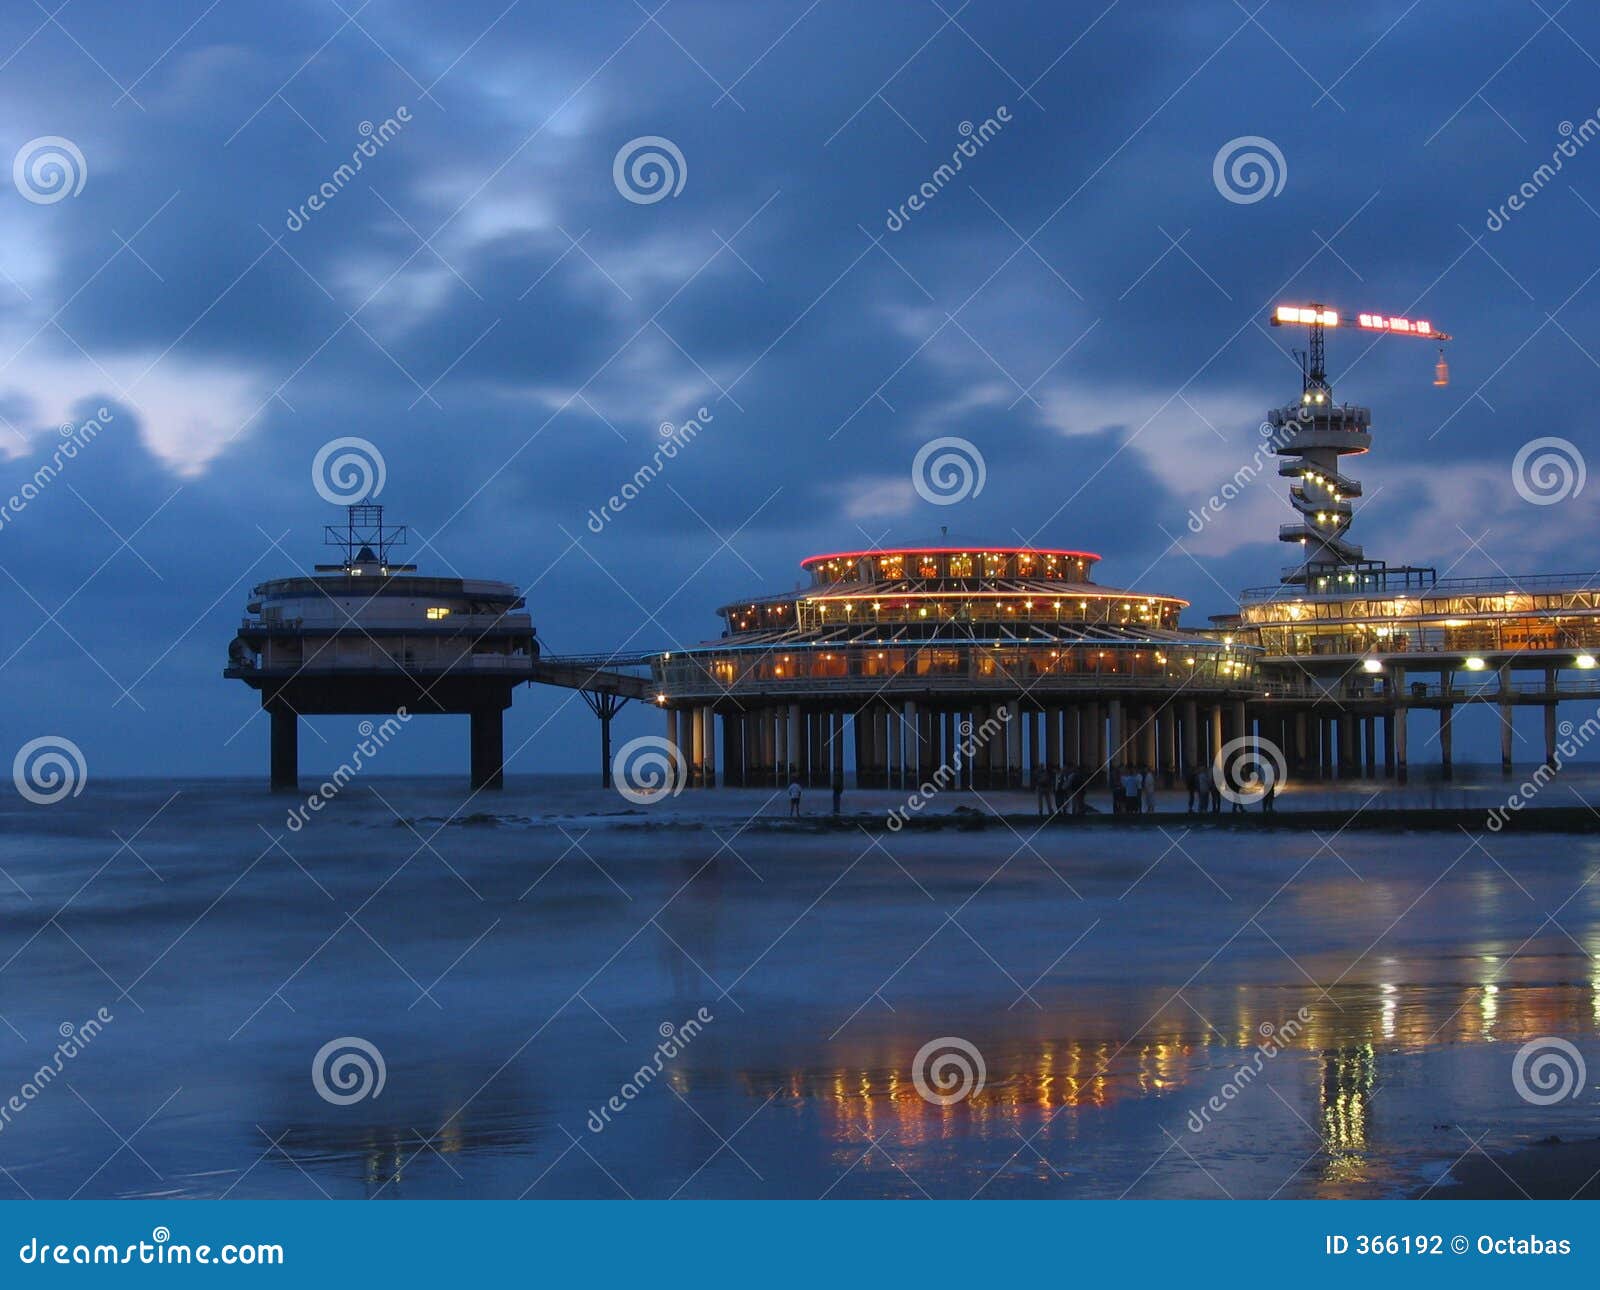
point(1421, 965)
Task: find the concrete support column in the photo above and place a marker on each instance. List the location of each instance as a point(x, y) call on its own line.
point(912, 732)
point(1216, 732)
point(1400, 745)
point(1505, 719)
point(1388, 744)
point(1093, 736)
point(1397, 723)
point(1014, 744)
point(1147, 739)
point(1550, 717)
point(488, 748)
point(675, 748)
point(1116, 755)
point(1191, 736)
point(1241, 726)
point(697, 746)
point(1170, 770)
point(708, 719)
point(836, 726)
point(1446, 729)
point(285, 755)
point(733, 750)
point(1052, 739)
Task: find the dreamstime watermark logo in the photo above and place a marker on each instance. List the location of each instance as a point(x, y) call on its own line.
point(49, 168)
point(1573, 740)
point(1264, 456)
point(348, 1070)
point(674, 439)
point(1274, 1039)
point(649, 168)
point(674, 1039)
point(1548, 1070)
point(1246, 769)
point(1249, 168)
point(373, 738)
point(949, 771)
point(348, 471)
point(948, 1070)
point(1548, 470)
point(1572, 138)
point(972, 139)
point(647, 768)
point(160, 1250)
point(74, 438)
point(48, 769)
point(373, 138)
point(948, 470)
point(74, 1039)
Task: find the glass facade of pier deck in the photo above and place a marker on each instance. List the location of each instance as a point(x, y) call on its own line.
point(902, 653)
point(953, 618)
point(1549, 612)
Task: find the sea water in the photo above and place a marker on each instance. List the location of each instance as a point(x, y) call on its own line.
point(554, 992)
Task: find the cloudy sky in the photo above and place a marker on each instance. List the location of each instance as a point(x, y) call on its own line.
point(1084, 301)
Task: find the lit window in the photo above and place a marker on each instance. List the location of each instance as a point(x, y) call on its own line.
point(438, 611)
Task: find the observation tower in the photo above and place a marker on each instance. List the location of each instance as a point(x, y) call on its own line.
point(1312, 434)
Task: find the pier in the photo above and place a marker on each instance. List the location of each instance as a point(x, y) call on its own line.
point(370, 636)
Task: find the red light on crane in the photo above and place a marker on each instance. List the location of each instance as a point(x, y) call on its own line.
point(1320, 316)
point(1405, 326)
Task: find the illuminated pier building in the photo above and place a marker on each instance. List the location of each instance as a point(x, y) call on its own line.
point(991, 662)
point(369, 635)
point(996, 661)
point(1350, 646)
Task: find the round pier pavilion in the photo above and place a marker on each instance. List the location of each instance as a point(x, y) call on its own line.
point(995, 662)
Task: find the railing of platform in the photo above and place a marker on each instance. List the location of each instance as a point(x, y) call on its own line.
point(1443, 586)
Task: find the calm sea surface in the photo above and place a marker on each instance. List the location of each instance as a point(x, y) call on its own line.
point(515, 963)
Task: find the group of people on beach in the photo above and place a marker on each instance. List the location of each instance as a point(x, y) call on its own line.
point(1061, 792)
point(1205, 796)
point(1133, 791)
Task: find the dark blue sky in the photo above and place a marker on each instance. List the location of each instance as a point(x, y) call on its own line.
point(1080, 301)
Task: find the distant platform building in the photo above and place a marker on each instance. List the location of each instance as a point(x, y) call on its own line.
point(1001, 662)
point(367, 635)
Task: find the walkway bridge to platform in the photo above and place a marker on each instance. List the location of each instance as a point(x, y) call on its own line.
point(605, 682)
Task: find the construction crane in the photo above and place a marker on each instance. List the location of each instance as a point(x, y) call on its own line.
point(1316, 318)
